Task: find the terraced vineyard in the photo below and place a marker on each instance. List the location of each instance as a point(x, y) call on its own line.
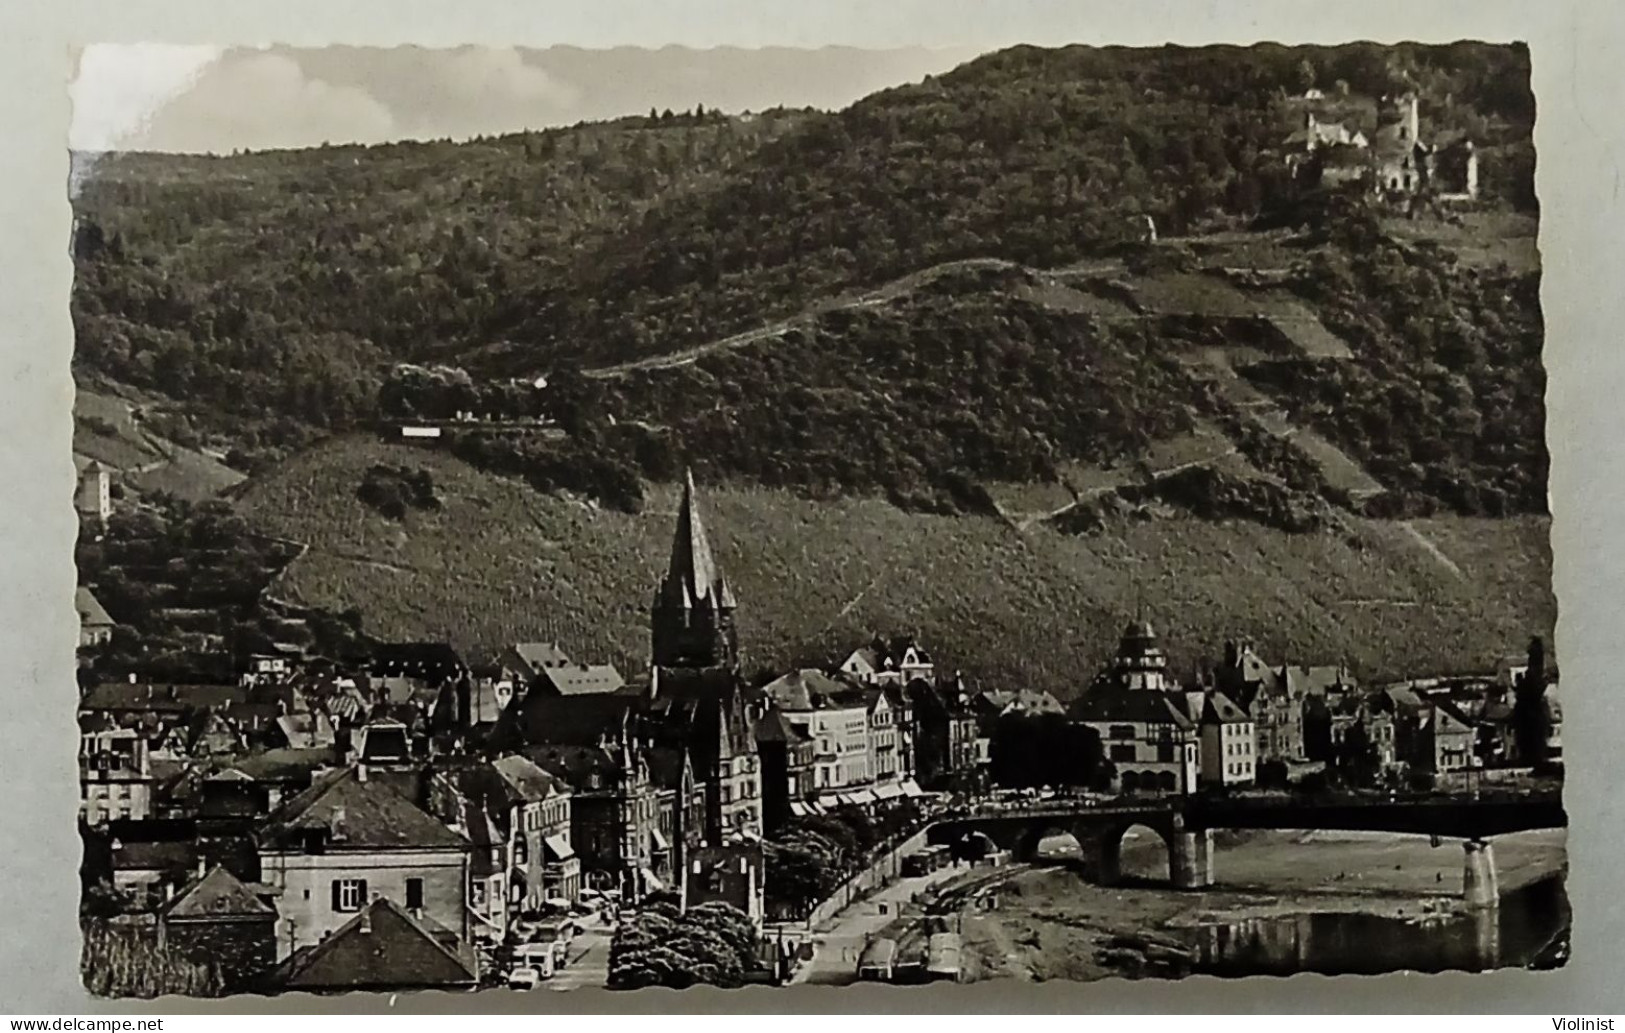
point(500, 562)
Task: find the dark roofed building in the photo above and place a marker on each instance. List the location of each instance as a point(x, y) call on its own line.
point(579, 680)
point(587, 720)
point(1148, 735)
point(217, 920)
point(125, 699)
point(614, 812)
point(382, 948)
point(350, 838)
point(434, 662)
point(788, 756)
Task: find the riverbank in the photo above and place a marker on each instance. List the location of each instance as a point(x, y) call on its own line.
point(1052, 924)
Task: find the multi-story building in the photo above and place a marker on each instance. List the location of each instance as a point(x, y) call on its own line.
point(885, 762)
point(1146, 725)
point(834, 717)
point(945, 733)
point(350, 839)
point(614, 813)
point(519, 816)
point(789, 759)
point(115, 773)
point(1228, 743)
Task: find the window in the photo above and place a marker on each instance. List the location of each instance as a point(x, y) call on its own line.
point(349, 894)
point(1120, 753)
point(414, 894)
point(1121, 732)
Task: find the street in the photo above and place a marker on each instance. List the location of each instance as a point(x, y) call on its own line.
point(589, 960)
point(839, 945)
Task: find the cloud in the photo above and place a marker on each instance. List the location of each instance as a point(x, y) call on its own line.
point(261, 100)
point(288, 97)
point(119, 87)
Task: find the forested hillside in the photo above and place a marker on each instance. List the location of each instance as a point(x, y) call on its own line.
point(277, 284)
point(912, 349)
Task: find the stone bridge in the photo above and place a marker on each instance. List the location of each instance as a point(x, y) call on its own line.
point(1186, 827)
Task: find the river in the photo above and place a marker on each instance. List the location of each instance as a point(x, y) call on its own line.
point(1527, 928)
point(1329, 903)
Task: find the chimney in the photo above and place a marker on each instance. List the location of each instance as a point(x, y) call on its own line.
point(361, 772)
point(202, 867)
point(335, 823)
point(366, 921)
point(169, 891)
point(132, 677)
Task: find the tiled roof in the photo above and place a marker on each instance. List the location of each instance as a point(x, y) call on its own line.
point(282, 765)
point(1131, 706)
point(538, 655)
point(578, 764)
point(525, 782)
point(428, 656)
point(362, 815)
point(809, 689)
point(219, 894)
point(582, 679)
point(1219, 708)
point(384, 948)
point(160, 698)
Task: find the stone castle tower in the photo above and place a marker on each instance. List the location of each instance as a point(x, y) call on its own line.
point(693, 613)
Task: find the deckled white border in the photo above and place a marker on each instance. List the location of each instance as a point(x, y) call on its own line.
point(1578, 54)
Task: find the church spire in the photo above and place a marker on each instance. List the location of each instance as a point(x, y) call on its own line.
point(693, 610)
point(692, 576)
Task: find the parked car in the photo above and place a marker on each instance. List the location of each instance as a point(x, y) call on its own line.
point(524, 979)
point(540, 957)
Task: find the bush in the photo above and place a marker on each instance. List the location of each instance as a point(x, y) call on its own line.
point(394, 490)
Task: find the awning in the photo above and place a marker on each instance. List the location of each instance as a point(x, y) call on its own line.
point(849, 799)
point(912, 789)
point(660, 840)
point(654, 882)
point(799, 809)
point(863, 797)
point(888, 791)
point(557, 848)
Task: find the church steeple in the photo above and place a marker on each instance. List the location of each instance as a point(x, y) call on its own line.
point(693, 609)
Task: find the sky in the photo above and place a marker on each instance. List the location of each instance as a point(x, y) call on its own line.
point(202, 99)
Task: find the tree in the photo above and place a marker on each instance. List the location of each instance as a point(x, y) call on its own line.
point(1531, 722)
point(714, 944)
point(1306, 75)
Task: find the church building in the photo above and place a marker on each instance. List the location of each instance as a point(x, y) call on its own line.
point(697, 698)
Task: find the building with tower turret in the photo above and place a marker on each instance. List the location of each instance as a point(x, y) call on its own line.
point(693, 614)
point(1148, 726)
point(1140, 662)
point(697, 700)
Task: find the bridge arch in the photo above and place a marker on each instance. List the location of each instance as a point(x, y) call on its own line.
point(1047, 840)
point(1108, 853)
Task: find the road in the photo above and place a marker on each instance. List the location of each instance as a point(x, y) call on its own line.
point(837, 947)
point(589, 960)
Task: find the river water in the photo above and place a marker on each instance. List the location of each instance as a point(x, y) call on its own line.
point(1529, 928)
